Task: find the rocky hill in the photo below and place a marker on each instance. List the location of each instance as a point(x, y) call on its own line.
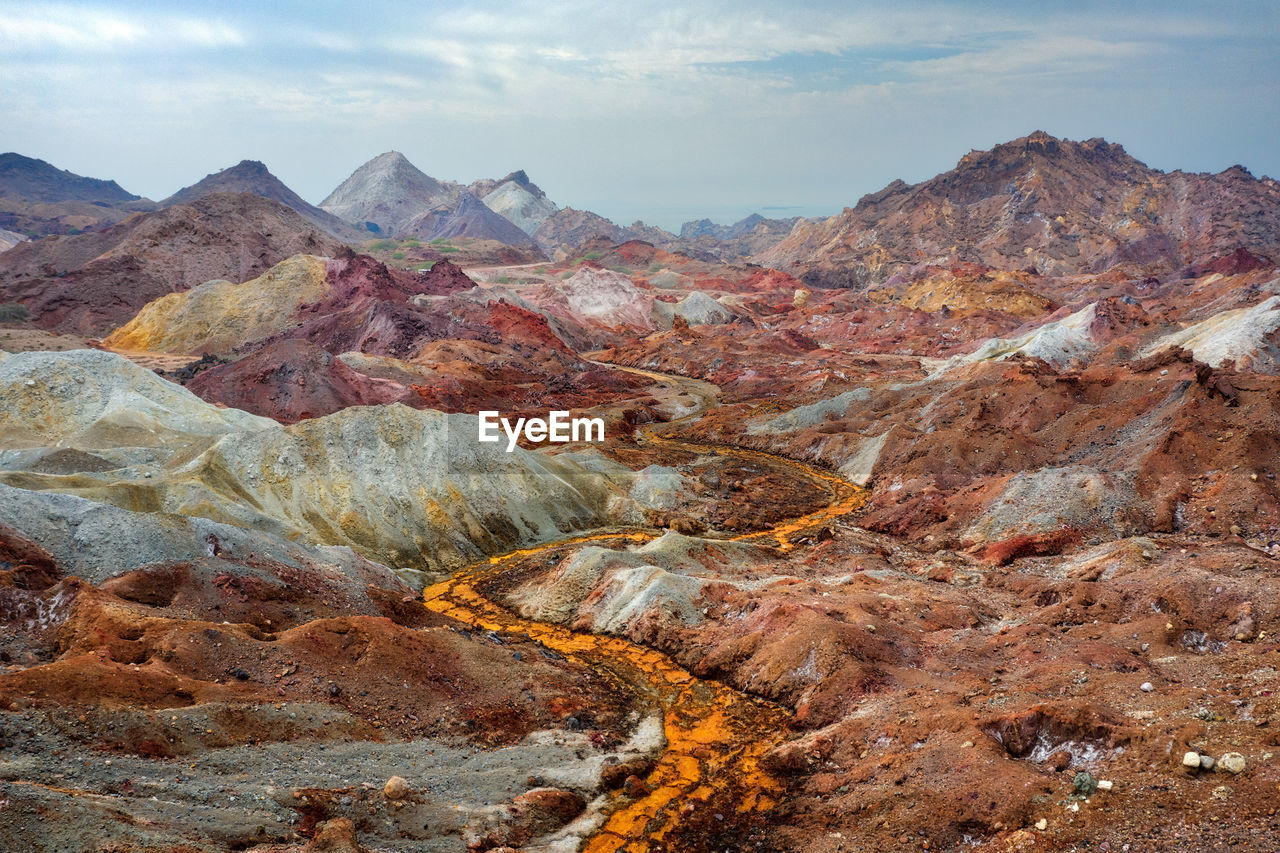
point(1055, 205)
point(386, 193)
point(323, 334)
point(90, 283)
point(36, 180)
point(521, 201)
point(568, 228)
point(252, 176)
point(428, 463)
point(471, 218)
point(37, 198)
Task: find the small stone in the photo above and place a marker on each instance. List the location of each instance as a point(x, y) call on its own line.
point(396, 788)
point(1147, 687)
point(1232, 762)
point(1235, 530)
point(967, 744)
point(1191, 760)
point(634, 787)
point(1042, 824)
point(240, 674)
point(1206, 762)
point(335, 836)
point(1084, 783)
point(1105, 784)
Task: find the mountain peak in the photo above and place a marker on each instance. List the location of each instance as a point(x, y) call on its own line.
point(386, 193)
point(1061, 206)
point(253, 176)
point(519, 177)
point(1044, 147)
point(36, 180)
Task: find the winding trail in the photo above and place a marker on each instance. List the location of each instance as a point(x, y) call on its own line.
point(716, 736)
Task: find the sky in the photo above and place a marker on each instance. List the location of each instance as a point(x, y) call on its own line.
point(657, 111)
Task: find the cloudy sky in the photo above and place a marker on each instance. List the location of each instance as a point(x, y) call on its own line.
point(660, 111)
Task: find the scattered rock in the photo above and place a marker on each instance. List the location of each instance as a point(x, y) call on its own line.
point(1147, 687)
point(335, 836)
point(1191, 760)
point(634, 787)
point(1084, 783)
point(396, 788)
point(1232, 762)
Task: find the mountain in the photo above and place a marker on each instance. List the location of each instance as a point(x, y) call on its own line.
point(386, 193)
point(744, 238)
point(92, 282)
point(251, 176)
point(470, 217)
point(38, 199)
point(521, 201)
point(36, 180)
point(1058, 206)
point(568, 228)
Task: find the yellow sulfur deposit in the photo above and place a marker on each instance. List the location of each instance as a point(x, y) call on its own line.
point(217, 316)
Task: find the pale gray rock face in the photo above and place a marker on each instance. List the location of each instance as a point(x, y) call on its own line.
point(1243, 336)
point(1050, 498)
point(389, 192)
point(610, 591)
point(696, 309)
point(522, 202)
point(402, 486)
point(96, 541)
point(9, 239)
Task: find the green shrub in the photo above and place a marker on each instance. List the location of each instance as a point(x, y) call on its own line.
point(13, 312)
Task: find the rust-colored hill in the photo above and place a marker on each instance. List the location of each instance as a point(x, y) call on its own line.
point(90, 283)
point(1058, 206)
point(252, 176)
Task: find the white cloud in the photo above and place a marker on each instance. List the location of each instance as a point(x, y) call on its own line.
point(50, 28)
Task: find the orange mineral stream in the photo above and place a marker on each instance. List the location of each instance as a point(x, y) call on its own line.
point(716, 736)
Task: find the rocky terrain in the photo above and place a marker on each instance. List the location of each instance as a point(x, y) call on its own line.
point(1053, 205)
point(90, 283)
point(252, 176)
point(37, 198)
point(9, 239)
point(386, 193)
point(322, 334)
point(520, 200)
point(951, 523)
